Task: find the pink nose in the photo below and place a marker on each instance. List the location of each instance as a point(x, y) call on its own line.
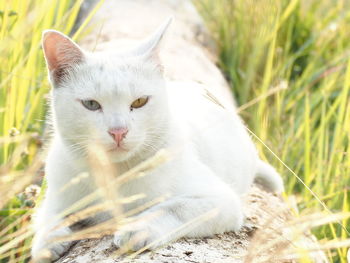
point(118, 134)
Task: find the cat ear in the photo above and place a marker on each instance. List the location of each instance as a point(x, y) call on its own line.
point(61, 53)
point(150, 47)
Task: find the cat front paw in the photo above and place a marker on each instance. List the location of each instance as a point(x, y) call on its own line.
point(143, 235)
point(44, 251)
point(50, 253)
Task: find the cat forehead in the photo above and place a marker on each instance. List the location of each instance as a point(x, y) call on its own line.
point(115, 76)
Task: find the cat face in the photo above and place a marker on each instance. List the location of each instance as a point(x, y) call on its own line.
point(118, 102)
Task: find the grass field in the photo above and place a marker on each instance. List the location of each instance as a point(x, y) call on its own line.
point(288, 64)
point(289, 68)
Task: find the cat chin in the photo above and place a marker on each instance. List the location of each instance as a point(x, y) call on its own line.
point(118, 156)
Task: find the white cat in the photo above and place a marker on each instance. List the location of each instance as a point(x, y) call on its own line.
point(122, 102)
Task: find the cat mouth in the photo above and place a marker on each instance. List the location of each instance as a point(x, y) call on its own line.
point(116, 148)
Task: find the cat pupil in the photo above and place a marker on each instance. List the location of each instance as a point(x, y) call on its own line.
point(140, 102)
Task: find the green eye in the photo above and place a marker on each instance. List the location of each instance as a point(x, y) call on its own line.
point(92, 105)
point(140, 102)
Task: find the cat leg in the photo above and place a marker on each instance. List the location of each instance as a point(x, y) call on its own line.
point(46, 223)
point(196, 215)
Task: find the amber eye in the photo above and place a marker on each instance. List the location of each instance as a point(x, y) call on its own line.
point(140, 102)
point(92, 105)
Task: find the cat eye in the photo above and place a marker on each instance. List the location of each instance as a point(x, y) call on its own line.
point(140, 102)
point(92, 105)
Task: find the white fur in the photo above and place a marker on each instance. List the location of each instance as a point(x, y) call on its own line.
point(215, 160)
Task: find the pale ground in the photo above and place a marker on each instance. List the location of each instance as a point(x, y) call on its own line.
point(186, 57)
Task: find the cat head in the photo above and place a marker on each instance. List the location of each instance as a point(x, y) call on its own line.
point(118, 101)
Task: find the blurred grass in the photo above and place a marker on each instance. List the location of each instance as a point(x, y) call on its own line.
point(23, 104)
point(300, 51)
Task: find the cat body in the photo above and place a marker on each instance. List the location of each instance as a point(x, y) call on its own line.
point(123, 103)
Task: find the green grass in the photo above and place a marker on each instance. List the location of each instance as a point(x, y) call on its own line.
point(293, 56)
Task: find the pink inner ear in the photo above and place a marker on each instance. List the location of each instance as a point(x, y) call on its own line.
point(60, 51)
